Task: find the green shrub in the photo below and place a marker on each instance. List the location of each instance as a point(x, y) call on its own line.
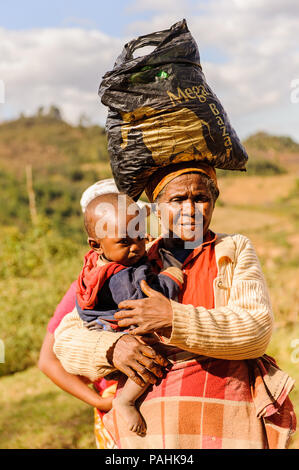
point(255, 167)
point(36, 268)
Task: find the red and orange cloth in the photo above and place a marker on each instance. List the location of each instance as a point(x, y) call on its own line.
point(92, 278)
point(94, 275)
point(208, 403)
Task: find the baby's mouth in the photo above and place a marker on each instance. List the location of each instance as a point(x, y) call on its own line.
point(134, 258)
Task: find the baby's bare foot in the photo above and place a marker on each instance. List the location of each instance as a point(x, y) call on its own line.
point(129, 413)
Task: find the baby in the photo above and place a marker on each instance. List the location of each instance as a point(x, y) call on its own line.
point(112, 273)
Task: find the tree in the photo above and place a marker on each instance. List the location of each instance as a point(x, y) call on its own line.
point(40, 112)
point(54, 113)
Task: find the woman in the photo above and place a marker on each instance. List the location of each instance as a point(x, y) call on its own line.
point(217, 394)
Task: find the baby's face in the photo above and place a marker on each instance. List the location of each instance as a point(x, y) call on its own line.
point(125, 250)
point(119, 230)
point(125, 240)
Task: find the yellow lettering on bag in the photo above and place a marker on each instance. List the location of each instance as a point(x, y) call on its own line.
point(227, 141)
point(198, 92)
point(201, 93)
point(191, 94)
point(214, 109)
point(179, 98)
point(224, 133)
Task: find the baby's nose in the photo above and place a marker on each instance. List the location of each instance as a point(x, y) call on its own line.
point(134, 248)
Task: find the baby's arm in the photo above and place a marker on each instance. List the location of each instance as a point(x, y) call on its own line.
point(125, 285)
point(171, 281)
point(73, 384)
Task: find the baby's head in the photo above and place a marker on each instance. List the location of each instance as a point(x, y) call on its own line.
point(115, 225)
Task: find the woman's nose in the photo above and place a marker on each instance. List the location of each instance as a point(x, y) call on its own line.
point(189, 208)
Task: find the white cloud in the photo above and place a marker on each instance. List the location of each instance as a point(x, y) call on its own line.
point(259, 43)
point(56, 66)
point(250, 57)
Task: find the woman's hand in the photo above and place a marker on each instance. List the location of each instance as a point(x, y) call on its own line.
point(152, 314)
point(137, 360)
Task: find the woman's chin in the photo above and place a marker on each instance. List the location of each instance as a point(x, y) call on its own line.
point(190, 236)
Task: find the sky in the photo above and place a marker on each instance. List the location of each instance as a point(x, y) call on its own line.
point(56, 52)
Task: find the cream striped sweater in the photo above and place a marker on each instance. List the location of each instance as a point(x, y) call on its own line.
point(239, 327)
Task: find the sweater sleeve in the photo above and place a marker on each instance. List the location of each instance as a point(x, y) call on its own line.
point(239, 330)
point(82, 351)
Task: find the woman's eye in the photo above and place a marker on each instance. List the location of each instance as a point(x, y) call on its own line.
point(202, 199)
point(177, 199)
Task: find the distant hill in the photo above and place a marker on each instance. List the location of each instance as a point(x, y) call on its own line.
point(49, 143)
point(66, 159)
point(282, 150)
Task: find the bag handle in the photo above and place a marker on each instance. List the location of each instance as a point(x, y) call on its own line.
point(153, 39)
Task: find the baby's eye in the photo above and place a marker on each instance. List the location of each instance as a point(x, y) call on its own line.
point(124, 241)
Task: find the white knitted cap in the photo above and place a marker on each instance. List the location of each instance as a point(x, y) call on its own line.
point(97, 189)
point(101, 187)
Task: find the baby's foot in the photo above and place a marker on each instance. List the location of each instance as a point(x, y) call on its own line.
point(129, 413)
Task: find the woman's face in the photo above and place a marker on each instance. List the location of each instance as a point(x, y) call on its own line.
point(185, 208)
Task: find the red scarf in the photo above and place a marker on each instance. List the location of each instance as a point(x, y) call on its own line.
point(92, 278)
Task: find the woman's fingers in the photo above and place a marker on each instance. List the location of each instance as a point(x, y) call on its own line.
point(137, 331)
point(123, 314)
point(145, 374)
point(149, 352)
point(141, 375)
point(149, 366)
point(147, 290)
point(126, 322)
point(131, 374)
point(129, 303)
point(138, 361)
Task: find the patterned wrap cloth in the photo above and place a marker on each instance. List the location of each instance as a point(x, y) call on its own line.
point(207, 403)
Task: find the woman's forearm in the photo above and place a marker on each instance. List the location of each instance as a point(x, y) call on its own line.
point(82, 351)
point(231, 332)
point(240, 325)
point(76, 386)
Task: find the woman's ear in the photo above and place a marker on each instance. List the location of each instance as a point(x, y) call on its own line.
point(95, 245)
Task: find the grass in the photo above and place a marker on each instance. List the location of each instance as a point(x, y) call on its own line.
point(38, 263)
point(35, 270)
point(35, 414)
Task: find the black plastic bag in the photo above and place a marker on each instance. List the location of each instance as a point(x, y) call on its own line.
point(162, 111)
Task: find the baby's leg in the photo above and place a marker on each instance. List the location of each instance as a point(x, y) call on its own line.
point(124, 404)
